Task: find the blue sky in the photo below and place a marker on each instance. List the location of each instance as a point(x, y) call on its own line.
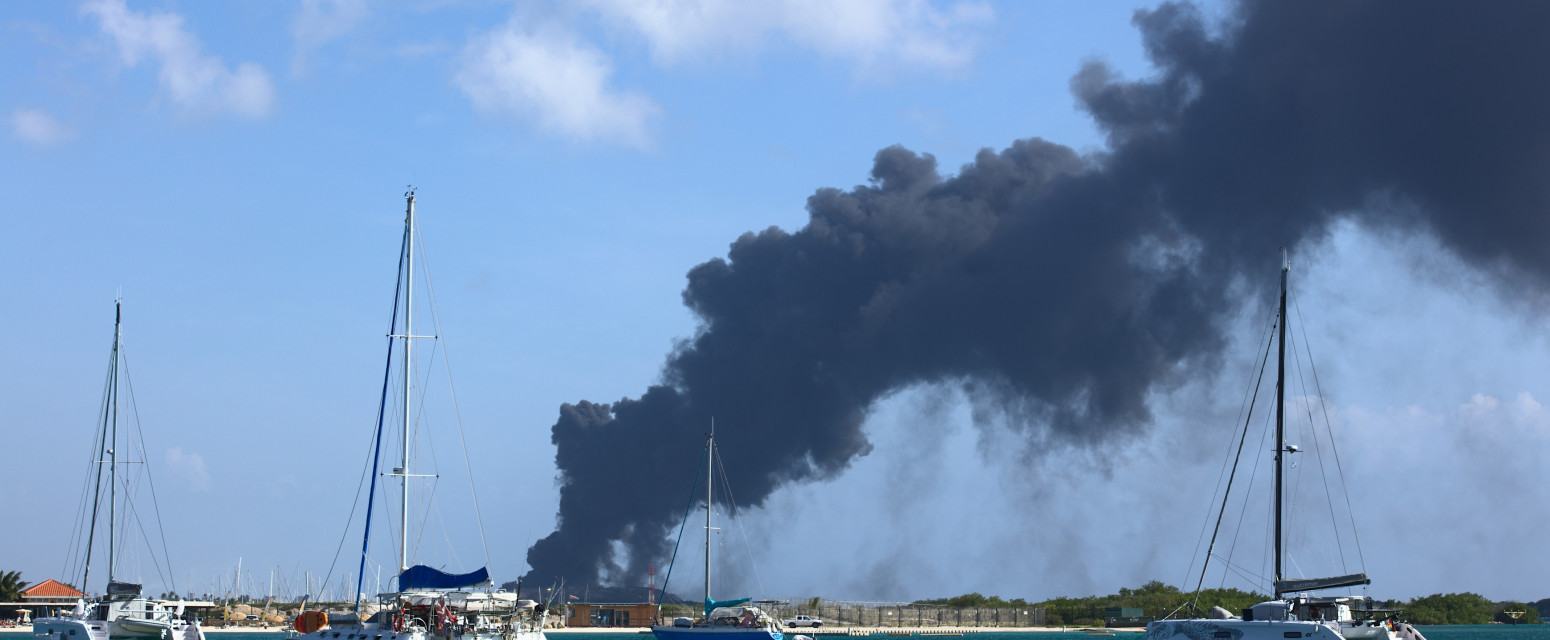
point(237, 170)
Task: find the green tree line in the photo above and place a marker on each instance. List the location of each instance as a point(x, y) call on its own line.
point(1158, 600)
point(1464, 608)
point(1154, 598)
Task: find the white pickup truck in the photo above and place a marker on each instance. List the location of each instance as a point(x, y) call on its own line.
point(803, 621)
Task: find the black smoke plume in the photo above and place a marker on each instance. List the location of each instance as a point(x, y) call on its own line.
point(1065, 289)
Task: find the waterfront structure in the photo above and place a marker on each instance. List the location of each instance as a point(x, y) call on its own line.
point(49, 598)
point(51, 591)
point(607, 614)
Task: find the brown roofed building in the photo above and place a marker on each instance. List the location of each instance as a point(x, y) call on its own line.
point(50, 591)
point(631, 614)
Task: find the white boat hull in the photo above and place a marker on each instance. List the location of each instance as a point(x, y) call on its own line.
point(358, 633)
point(716, 633)
point(1213, 629)
point(69, 629)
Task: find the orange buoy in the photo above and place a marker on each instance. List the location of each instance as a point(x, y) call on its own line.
point(310, 621)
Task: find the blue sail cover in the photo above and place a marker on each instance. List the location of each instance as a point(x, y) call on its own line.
point(711, 605)
point(422, 577)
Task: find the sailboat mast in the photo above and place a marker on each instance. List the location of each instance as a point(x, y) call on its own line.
point(104, 446)
point(403, 516)
point(1286, 266)
point(710, 459)
point(118, 343)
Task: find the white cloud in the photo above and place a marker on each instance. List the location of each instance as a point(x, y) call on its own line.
point(198, 83)
point(321, 21)
point(39, 127)
point(556, 80)
point(872, 33)
point(563, 83)
point(190, 467)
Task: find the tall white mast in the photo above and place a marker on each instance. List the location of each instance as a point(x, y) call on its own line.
point(403, 516)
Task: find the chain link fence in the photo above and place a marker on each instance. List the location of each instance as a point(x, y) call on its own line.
point(845, 614)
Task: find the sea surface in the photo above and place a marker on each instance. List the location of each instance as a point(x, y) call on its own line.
point(1452, 632)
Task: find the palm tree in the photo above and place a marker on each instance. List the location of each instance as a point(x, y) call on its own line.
point(11, 585)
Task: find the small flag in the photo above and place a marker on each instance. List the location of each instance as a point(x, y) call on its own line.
point(574, 598)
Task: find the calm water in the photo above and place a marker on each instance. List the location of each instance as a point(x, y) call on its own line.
point(1457, 632)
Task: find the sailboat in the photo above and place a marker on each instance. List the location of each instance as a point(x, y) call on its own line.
point(429, 603)
point(726, 619)
point(123, 613)
point(1290, 614)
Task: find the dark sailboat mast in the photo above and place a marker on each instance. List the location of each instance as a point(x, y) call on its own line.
point(1283, 586)
point(118, 342)
point(1280, 584)
point(108, 449)
point(710, 465)
point(1286, 266)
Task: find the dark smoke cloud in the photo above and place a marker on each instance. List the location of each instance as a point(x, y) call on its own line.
point(1065, 289)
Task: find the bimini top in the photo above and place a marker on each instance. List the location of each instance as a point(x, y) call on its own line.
point(118, 589)
point(422, 577)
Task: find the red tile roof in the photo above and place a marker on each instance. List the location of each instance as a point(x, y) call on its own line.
point(50, 588)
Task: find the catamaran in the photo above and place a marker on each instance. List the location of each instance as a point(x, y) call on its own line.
point(123, 613)
point(725, 619)
point(429, 603)
point(1289, 614)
